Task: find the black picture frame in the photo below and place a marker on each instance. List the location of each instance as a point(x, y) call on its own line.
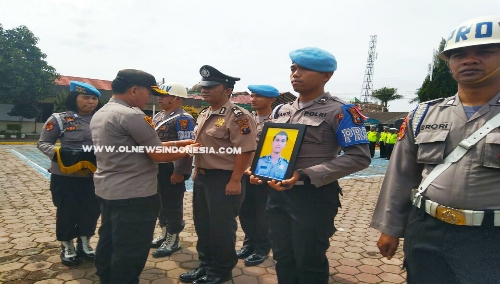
point(265, 165)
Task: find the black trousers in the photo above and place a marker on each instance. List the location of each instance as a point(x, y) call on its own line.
point(77, 206)
point(125, 236)
point(301, 222)
point(253, 218)
point(383, 151)
point(215, 215)
point(389, 148)
point(372, 148)
point(438, 252)
point(171, 200)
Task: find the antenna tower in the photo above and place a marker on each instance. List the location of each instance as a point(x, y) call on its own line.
point(367, 89)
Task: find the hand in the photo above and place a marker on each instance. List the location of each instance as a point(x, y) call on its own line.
point(254, 180)
point(182, 143)
point(176, 178)
point(285, 184)
point(248, 172)
point(233, 187)
point(387, 245)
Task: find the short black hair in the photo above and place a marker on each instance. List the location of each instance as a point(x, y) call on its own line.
point(281, 133)
point(120, 87)
point(71, 105)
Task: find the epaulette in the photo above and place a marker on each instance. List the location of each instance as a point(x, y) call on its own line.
point(138, 110)
point(203, 110)
point(339, 100)
point(419, 114)
point(237, 111)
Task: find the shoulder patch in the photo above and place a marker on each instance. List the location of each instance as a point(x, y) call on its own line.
point(357, 116)
point(402, 129)
point(243, 124)
point(351, 130)
point(149, 121)
point(237, 111)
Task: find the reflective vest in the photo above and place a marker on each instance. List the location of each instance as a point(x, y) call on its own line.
point(391, 138)
point(372, 136)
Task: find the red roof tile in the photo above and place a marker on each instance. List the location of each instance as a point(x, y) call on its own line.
point(98, 84)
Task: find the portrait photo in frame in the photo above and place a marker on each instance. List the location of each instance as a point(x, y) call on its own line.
point(278, 148)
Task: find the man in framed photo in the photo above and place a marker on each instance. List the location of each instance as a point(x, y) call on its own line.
point(274, 165)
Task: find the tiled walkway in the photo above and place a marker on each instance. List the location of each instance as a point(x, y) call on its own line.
point(29, 252)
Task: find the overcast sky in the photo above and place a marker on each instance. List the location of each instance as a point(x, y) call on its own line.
point(246, 39)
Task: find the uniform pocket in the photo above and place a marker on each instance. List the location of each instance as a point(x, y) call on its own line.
point(491, 151)
point(216, 132)
point(431, 146)
point(315, 128)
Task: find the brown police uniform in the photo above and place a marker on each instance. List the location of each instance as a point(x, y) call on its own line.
point(72, 193)
point(301, 219)
point(214, 211)
point(427, 136)
point(126, 184)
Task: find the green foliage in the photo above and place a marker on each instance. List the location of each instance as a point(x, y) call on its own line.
point(13, 127)
point(25, 76)
point(385, 95)
point(191, 110)
point(442, 85)
point(60, 102)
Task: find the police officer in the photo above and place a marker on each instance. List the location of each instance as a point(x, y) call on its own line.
point(172, 123)
point(390, 141)
point(253, 220)
point(381, 142)
point(274, 165)
point(125, 180)
point(372, 138)
point(301, 210)
point(219, 188)
point(71, 171)
point(451, 221)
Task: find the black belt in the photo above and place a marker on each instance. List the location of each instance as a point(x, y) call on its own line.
point(204, 171)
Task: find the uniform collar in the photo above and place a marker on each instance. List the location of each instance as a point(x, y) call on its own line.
point(322, 99)
point(223, 111)
point(118, 101)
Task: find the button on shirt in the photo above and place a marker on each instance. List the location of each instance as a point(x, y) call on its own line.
point(332, 124)
point(471, 183)
point(123, 175)
point(229, 126)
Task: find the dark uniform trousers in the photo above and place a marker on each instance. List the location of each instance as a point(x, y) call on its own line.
point(253, 218)
point(382, 149)
point(171, 199)
point(372, 148)
point(125, 235)
point(388, 149)
point(214, 215)
point(454, 254)
point(77, 206)
point(301, 222)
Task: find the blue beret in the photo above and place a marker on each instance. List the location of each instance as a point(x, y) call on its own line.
point(264, 90)
point(83, 88)
point(314, 58)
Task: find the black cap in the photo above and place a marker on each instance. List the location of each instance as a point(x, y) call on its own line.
point(140, 78)
point(212, 77)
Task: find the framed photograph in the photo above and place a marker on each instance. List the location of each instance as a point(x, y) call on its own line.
point(278, 148)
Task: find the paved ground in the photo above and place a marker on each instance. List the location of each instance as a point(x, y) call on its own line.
point(29, 252)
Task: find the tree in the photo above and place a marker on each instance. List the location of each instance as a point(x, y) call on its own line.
point(24, 110)
point(385, 95)
point(25, 76)
point(191, 110)
point(442, 85)
point(60, 102)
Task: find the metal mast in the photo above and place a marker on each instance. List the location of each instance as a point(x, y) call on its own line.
point(367, 89)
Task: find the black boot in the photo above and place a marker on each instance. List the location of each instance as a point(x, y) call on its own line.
point(83, 248)
point(158, 240)
point(69, 256)
point(168, 247)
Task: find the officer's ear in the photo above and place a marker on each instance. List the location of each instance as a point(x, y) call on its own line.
point(327, 76)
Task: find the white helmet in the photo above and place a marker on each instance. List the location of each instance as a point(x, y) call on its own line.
point(174, 89)
point(477, 31)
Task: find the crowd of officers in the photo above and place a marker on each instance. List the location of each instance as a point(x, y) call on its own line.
point(294, 216)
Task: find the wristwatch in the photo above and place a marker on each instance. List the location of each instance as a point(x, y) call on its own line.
point(303, 176)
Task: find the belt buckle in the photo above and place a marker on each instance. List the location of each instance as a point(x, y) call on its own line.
point(450, 215)
point(202, 171)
